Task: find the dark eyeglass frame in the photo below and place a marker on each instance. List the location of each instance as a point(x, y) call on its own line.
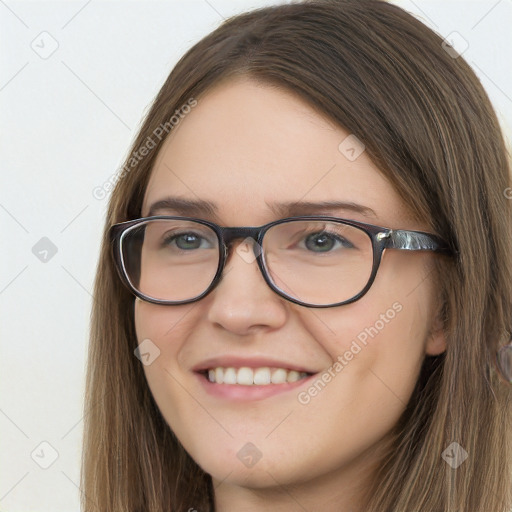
point(381, 238)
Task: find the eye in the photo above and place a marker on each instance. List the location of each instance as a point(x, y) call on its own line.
point(325, 241)
point(187, 241)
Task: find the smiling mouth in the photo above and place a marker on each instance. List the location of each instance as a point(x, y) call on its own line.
point(246, 376)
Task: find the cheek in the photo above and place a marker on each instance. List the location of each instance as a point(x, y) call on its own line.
point(377, 354)
point(378, 343)
point(162, 331)
point(165, 326)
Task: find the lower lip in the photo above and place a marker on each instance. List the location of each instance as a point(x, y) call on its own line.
point(239, 392)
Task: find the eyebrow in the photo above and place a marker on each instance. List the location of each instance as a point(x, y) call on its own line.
point(192, 208)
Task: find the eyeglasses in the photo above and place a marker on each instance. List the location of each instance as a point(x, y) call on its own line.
point(313, 261)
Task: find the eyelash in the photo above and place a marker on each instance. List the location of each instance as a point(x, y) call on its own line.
point(168, 240)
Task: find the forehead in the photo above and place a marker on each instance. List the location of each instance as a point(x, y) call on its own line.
point(247, 145)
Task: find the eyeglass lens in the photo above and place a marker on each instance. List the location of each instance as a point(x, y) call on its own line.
point(316, 262)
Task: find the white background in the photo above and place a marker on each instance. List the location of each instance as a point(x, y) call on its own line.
point(66, 125)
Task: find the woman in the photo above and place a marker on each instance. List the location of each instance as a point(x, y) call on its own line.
point(342, 356)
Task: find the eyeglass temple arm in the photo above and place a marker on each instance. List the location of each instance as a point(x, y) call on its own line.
point(413, 241)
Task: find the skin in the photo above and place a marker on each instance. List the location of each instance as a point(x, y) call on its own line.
point(243, 145)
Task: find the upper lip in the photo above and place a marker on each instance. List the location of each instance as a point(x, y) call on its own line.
point(226, 361)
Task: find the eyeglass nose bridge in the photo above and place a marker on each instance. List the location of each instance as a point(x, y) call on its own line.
point(229, 234)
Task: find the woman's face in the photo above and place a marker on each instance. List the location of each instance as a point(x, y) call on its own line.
point(246, 146)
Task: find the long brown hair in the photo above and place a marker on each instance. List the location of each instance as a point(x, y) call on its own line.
point(429, 126)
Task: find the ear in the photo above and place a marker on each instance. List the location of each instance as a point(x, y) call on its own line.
point(436, 340)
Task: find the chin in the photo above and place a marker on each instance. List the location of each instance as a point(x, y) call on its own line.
point(268, 471)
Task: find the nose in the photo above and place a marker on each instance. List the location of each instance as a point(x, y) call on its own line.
point(242, 302)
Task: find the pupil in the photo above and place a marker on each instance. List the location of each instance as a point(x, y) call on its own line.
point(188, 239)
point(322, 241)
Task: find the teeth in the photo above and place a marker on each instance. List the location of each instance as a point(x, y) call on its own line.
point(279, 376)
point(293, 376)
point(253, 376)
point(229, 376)
point(260, 376)
point(244, 376)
